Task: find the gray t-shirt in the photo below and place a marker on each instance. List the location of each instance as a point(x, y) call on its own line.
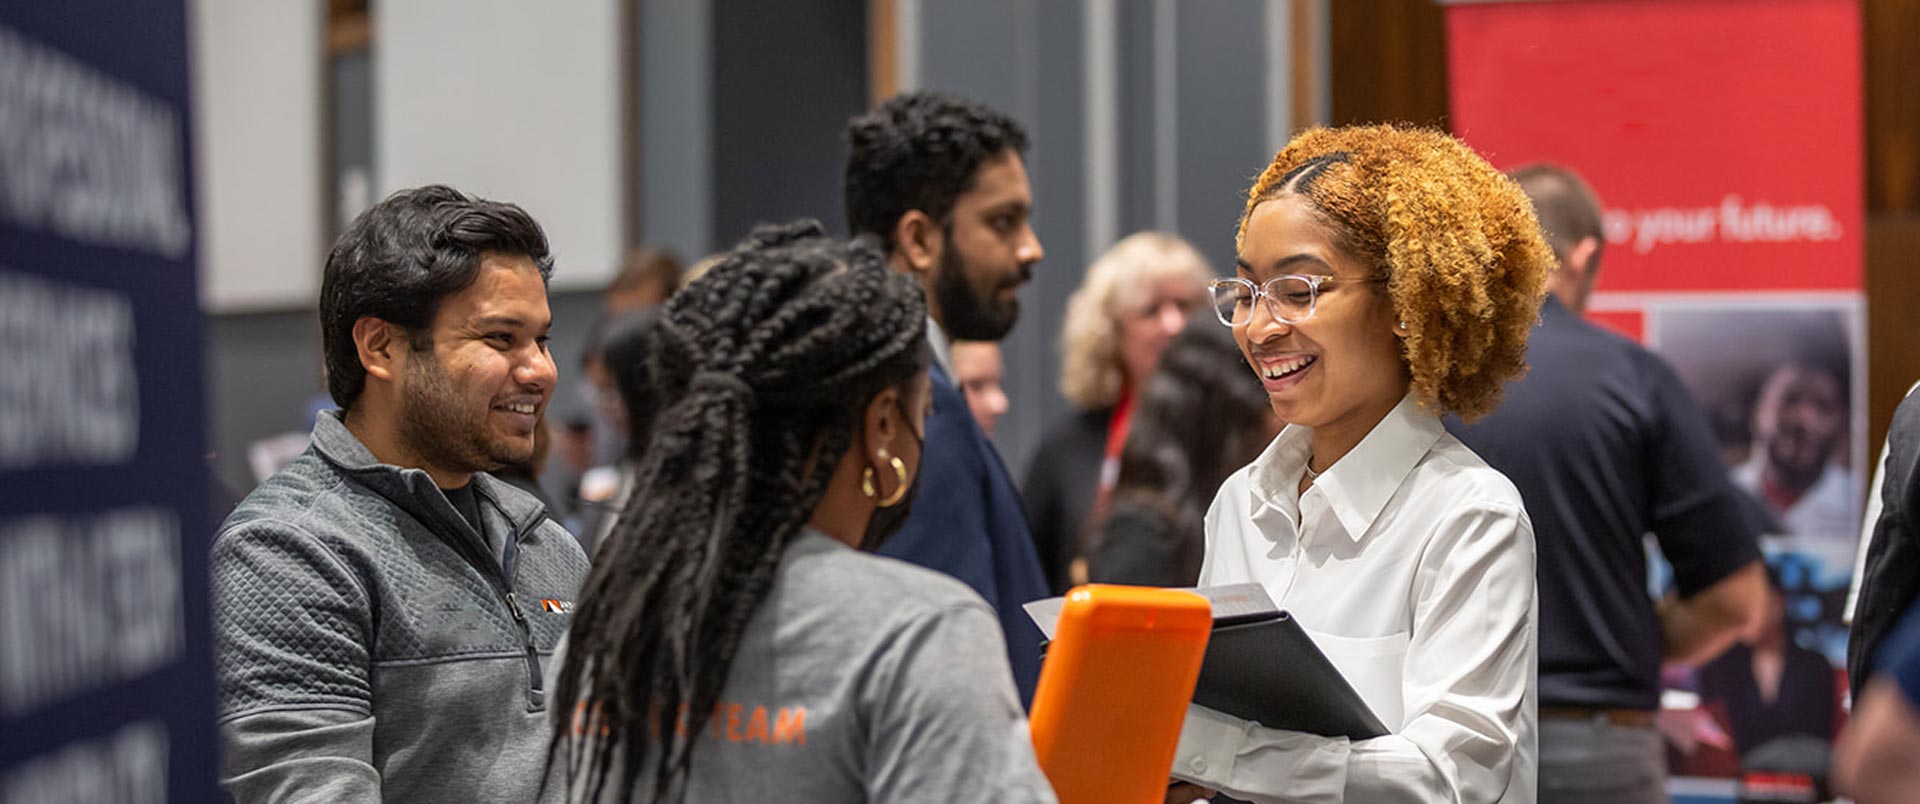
point(862, 678)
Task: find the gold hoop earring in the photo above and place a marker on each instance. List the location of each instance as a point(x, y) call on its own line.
point(899, 491)
point(867, 477)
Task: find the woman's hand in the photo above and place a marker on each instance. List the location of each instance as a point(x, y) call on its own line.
point(1179, 792)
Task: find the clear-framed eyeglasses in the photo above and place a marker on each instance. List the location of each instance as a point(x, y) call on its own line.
point(1289, 298)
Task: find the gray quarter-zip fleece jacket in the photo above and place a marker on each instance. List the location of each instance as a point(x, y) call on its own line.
point(370, 645)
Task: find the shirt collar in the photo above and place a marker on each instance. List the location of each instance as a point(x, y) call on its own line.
point(1358, 486)
point(339, 445)
point(942, 346)
point(408, 487)
point(1552, 310)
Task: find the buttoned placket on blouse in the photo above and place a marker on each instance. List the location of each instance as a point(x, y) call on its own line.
point(1303, 514)
point(1291, 525)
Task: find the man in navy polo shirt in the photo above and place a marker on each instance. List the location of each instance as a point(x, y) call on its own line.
point(1605, 445)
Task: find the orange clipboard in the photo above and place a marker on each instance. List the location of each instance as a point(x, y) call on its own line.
point(1114, 690)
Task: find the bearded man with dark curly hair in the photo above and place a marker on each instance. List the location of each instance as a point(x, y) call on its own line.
point(940, 181)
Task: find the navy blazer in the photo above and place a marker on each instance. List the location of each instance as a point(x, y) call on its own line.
point(968, 523)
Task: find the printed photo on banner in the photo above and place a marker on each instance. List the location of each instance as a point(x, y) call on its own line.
point(1779, 384)
point(1778, 380)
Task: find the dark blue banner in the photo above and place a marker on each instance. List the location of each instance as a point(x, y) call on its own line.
point(106, 672)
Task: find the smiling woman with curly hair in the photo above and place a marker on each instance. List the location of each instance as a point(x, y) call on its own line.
point(1385, 276)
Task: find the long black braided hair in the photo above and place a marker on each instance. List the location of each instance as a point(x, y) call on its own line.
point(764, 367)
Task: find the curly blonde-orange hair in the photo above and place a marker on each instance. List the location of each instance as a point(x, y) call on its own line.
point(1455, 239)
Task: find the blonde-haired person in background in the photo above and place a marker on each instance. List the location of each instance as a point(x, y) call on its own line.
point(1384, 276)
point(1134, 299)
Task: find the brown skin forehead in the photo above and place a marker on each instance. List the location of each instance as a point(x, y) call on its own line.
point(1000, 184)
point(1800, 377)
point(495, 297)
point(975, 352)
point(1294, 239)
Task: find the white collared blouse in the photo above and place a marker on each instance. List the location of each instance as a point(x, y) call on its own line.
point(1411, 563)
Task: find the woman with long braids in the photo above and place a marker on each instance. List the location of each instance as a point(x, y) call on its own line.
point(735, 640)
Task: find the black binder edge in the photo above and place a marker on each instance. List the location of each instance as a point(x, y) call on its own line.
point(1282, 671)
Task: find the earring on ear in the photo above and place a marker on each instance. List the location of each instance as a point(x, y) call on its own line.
point(900, 483)
point(899, 489)
point(866, 478)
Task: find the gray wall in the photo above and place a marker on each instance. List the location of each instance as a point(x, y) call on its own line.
point(742, 105)
point(1220, 141)
point(261, 369)
point(676, 125)
point(786, 76)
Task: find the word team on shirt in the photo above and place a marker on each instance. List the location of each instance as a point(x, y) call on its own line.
point(731, 722)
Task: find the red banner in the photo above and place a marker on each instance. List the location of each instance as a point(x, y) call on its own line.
point(1724, 140)
point(1723, 135)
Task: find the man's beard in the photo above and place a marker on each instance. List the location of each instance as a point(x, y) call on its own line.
point(1796, 462)
point(970, 317)
point(440, 430)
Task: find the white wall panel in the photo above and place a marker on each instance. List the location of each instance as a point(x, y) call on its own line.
point(256, 114)
point(513, 101)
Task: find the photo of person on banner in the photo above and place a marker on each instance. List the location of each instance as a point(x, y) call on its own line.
point(1769, 686)
point(1798, 425)
point(1776, 381)
point(1778, 687)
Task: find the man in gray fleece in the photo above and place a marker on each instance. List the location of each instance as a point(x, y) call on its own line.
point(384, 610)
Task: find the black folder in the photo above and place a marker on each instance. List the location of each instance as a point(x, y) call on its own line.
point(1267, 670)
point(1262, 666)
